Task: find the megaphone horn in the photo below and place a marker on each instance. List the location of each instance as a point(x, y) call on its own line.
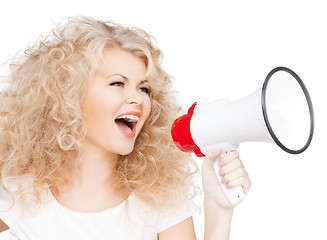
point(279, 112)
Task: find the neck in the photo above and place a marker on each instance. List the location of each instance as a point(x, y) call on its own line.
point(94, 166)
point(90, 187)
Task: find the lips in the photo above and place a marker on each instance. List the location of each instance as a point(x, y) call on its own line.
point(126, 123)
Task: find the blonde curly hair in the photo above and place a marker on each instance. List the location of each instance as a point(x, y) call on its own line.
point(42, 122)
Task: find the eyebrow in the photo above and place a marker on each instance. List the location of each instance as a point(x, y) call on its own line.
point(127, 79)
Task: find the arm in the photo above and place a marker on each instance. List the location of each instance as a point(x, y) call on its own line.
point(217, 221)
point(3, 226)
point(218, 211)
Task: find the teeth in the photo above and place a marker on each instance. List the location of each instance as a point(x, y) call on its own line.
point(130, 118)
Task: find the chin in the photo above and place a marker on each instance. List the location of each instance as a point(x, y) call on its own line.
point(123, 151)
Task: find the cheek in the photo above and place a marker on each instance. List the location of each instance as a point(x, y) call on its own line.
point(96, 107)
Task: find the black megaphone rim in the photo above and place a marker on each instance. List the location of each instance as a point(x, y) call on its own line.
point(265, 114)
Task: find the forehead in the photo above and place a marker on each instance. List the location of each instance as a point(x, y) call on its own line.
point(117, 61)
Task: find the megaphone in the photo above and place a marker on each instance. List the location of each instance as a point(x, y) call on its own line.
point(279, 112)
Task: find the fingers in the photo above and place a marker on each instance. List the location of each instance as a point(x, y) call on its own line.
point(229, 157)
point(239, 177)
point(233, 172)
point(230, 166)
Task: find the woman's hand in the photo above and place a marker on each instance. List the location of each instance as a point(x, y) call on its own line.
point(233, 174)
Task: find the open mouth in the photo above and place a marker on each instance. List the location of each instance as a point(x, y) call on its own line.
point(127, 124)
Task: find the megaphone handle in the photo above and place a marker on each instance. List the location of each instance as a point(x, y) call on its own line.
point(234, 195)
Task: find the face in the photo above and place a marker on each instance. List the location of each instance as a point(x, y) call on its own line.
point(117, 103)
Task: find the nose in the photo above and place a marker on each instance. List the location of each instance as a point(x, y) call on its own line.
point(134, 97)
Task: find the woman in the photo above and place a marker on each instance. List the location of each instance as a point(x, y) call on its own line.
point(86, 151)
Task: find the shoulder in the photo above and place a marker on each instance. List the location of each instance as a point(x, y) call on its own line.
point(163, 218)
point(11, 204)
point(178, 213)
point(8, 208)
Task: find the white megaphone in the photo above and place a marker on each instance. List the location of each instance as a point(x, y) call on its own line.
point(279, 112)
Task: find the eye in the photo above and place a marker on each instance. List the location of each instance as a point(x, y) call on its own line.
point(117, 84)
point(145, 90)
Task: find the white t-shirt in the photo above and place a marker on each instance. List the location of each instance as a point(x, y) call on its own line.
point(130, 220)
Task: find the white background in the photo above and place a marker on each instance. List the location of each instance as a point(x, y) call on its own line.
point(224, 49)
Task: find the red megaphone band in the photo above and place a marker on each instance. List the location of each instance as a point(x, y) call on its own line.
point(181, 133)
